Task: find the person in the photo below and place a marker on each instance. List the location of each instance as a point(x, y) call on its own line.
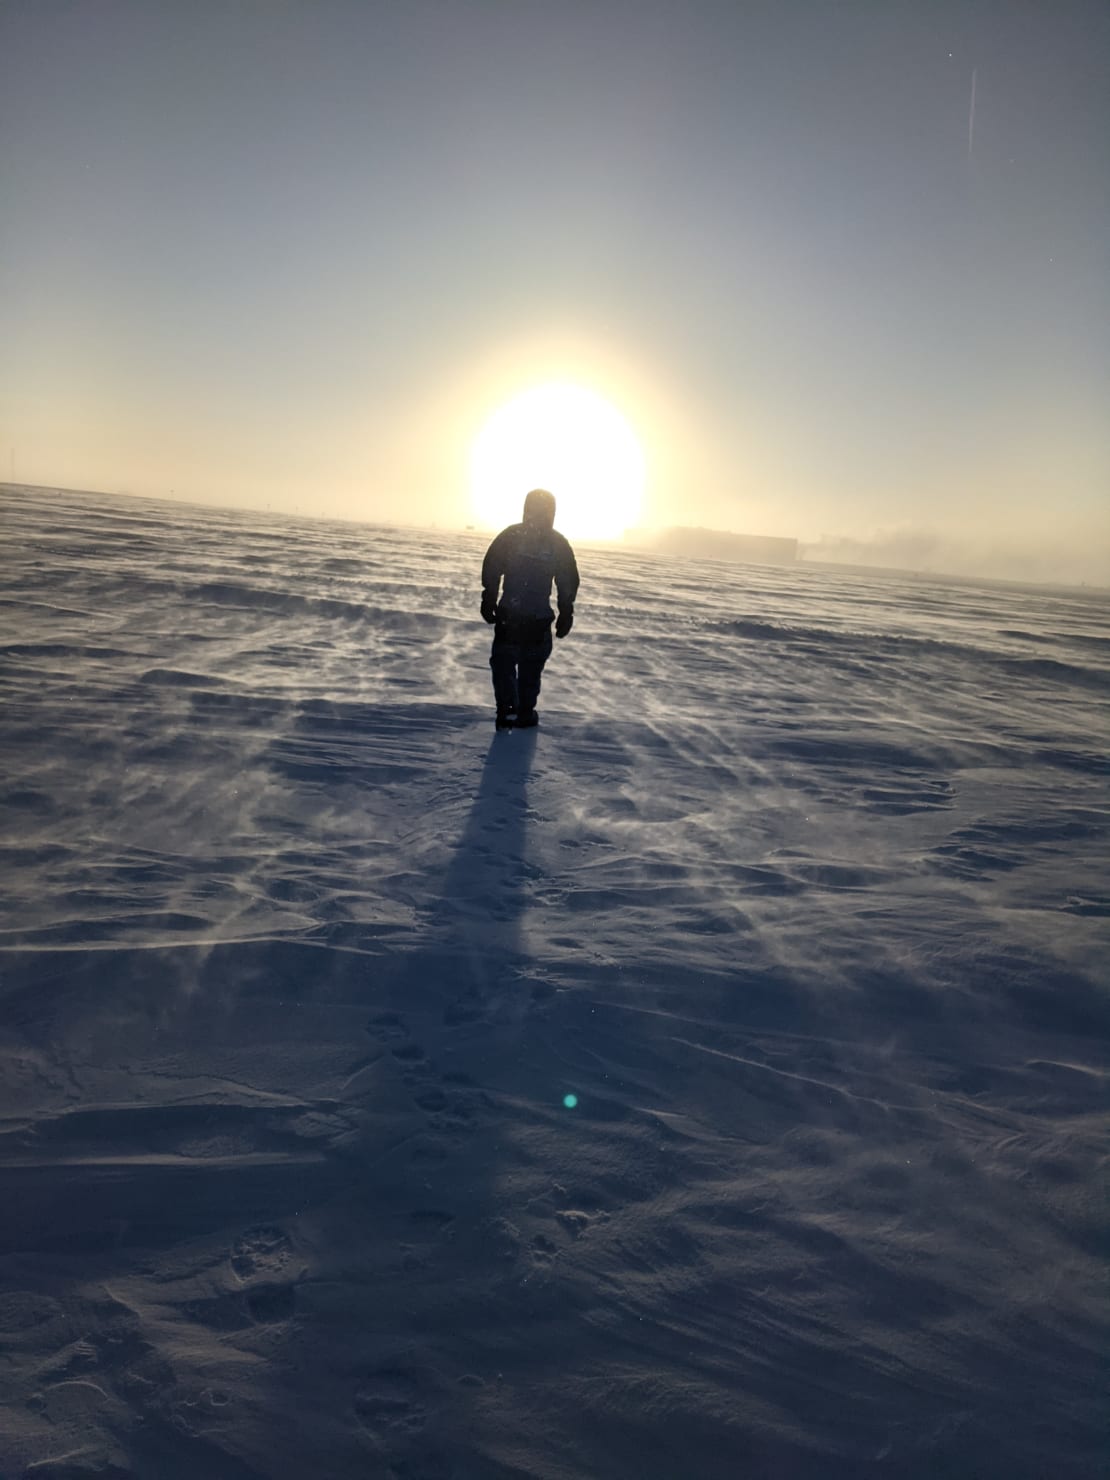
point(521, 564)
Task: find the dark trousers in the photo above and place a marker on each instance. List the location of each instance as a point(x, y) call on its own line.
point(516, 662)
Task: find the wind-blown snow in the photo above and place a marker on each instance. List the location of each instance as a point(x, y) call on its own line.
point(801, 889)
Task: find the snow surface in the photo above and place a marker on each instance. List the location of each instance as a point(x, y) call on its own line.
point(801, 888)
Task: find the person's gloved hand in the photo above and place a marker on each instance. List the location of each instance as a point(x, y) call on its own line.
point(564, 621)
point(489, 607)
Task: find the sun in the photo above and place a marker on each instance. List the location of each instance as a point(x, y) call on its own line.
point(570, 440)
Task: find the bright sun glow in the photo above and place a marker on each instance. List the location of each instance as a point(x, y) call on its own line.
point(569, 440)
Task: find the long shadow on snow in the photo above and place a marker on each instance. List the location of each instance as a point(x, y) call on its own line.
point(413, 1309)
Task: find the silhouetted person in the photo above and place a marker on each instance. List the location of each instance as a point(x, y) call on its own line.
point(527, 557)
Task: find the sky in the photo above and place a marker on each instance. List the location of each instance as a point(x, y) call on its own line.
point(842, 267)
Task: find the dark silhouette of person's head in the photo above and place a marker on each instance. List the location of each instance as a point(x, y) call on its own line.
point(539, 509)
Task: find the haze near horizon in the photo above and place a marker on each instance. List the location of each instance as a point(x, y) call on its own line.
point(839, 272)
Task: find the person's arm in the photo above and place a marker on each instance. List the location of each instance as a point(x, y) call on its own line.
point(493, 568)
point(566, 585)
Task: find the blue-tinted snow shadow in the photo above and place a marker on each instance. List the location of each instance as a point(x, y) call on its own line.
point(474, 938)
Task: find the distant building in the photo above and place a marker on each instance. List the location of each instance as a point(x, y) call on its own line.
point(720, 544)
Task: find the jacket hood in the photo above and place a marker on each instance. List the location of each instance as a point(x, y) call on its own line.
point(539, 508)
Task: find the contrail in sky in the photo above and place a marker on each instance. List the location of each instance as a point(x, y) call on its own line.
point(971, 115)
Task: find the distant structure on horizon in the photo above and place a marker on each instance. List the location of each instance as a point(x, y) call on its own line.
point(720, 544)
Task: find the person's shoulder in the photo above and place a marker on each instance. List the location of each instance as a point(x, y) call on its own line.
point(510, 532)
point(562, 541)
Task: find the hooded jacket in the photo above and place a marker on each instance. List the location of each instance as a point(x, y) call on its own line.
point(527, 557)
